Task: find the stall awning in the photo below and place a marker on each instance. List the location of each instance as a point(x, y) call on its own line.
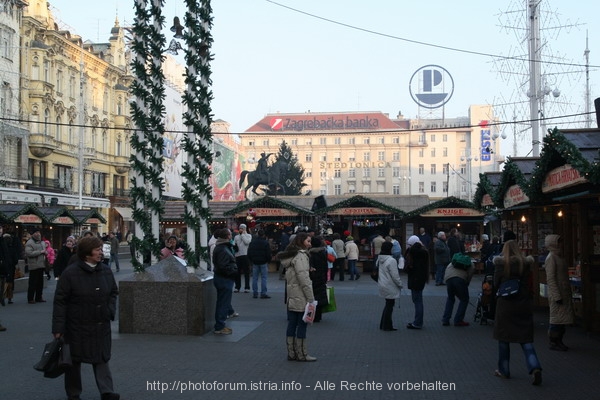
point(125, 213)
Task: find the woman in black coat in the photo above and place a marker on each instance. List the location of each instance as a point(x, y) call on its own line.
point(417, 268)
point(64, 256)
point(318, 275)
point(84, 304)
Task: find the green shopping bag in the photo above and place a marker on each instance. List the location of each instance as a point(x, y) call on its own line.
point(331, 306)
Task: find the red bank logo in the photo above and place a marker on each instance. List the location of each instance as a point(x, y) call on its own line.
point(276, 124)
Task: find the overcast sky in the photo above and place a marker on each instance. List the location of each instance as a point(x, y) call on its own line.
point(350, 55)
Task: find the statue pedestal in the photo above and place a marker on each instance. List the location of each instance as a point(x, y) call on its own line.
point(165, 299)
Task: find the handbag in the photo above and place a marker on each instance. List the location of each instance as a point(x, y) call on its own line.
point(401, 263)
point(509, 288)
point(331, 304)
point(375, 272)
point(330, 257)
point(309, 312)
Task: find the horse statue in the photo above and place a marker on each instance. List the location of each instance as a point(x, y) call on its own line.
point(272, 178)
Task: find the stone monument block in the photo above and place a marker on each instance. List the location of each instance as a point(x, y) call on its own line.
point(166, 299)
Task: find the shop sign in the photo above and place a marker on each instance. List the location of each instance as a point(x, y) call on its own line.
point(63, 220)
point(92, 221)
point(452, 212)
point(487, 200)
point(562, 177)
point(323, 123)
point(358, 211)
point(271, 212)
point(515, 195)
point(28, 219)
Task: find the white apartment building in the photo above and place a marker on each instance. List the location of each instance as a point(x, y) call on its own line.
point(367, 152)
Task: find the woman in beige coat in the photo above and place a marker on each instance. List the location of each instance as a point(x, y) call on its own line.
point(559, 293)
point(295, 260)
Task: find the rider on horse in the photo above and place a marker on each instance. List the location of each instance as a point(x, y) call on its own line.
point(261, 169)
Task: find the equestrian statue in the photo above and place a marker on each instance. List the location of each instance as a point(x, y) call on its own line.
point(265, 175)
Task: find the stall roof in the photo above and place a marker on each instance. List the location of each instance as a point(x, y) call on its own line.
point(175, 209)
point(53, 212)
point(82, 215)
point(448, 202)
point(517, 171)
point(267, 202)
point(8, 212)
point(488, 184)
point(578, 147)
point(362, 201)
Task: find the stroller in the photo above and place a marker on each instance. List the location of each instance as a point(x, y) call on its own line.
point(486, 301)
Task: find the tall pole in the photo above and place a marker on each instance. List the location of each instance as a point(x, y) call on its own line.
point(81, 119)
point(534, 74)
point(586, 54)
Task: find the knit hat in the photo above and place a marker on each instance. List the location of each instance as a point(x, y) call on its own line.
point(412, 240)
point(349, 238)
point(485, 237)
point(242, 226)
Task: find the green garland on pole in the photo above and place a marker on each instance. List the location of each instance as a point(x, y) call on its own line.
point(147, 114)
point(197, 118)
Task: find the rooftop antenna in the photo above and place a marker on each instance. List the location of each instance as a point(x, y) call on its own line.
point(586, 54)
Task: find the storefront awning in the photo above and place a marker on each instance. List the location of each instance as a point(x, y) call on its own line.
point(125, 213)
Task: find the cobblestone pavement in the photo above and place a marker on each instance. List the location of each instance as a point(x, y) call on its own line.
point(355, 359)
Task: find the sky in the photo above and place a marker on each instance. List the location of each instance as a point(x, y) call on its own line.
point(295, 56)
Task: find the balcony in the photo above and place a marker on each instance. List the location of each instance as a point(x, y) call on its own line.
point(41, 145)
point(121, 164)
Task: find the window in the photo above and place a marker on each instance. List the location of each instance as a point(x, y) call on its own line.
point(432, 137)
point(294, 142)
point(72, 86)
point(119, 147)
point(94, 144)
point(323, 190)
point(63, 176)
point(337, 140)
point(351, 173)
point(351, 156)
point(323, 157)
point(445, 187)
point(366, 188)
point(380, 187)
point(351, 140)
point(351, 189)
point(462, 137)
point(71, 135)
point(396, 172)
point(58, 129)
point(433, 187)
point(381, 172)
point(380, 140)
point(104, 142)
point(445, 152)
point(105, 101)
point(396, 156)
point(322, 140)
point(381, 155)
point(308, 157)
point(366, 156)
point(46, 127)
point(366, 173)
point(323, 175)
point(337, 173)
point(337, 157)
point(337, 189)
point(421, 153)
point(463, 187)
point(251, 143)
point(46, 71)
point(308, 174)
point(445, 169)
point(421, 187)
point(366, 140)
point(463, 169)
point(265, 142)
point(421, 169)
point(445, 137)
point(396, 189)
point(396, 140)
point(433, 169)
point(308, 142)
point(98, 183)
point(422, 137)
point(433, 152)
point(59, 77)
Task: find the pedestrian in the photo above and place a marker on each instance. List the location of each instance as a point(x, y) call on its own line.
point(85, 302)
point(259, 256)
point(441, 254)
point(339, 265)
point(11, 259)
point(129, 239)
point(299, 293)
point(389, 284)
point(331, 254)
point(559, 293)
point(318, 274)
point(514, 314)
point(454, 243)
point(171, 248)
point(64, 255)
point(417, 268)
point(376, 243)
point(50, 257)
point(457, 278)
point(225, 271)
point(241, 241)
point(35, 251)
point(424, 238)
point(352, 257)
point(114, 250)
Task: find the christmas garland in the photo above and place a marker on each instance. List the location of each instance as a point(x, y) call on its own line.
point(196, 189)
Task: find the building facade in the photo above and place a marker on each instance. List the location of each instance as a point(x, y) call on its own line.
point(368, 152)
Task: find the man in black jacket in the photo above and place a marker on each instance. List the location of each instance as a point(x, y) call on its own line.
point(259, 254)
point(225, 270)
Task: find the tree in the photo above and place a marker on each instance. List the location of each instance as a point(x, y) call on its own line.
point(293, 181)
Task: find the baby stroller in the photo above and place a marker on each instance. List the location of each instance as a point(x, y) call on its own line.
point(486, 301)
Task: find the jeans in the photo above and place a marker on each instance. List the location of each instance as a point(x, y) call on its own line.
point(456, 287)
point(352, 268)
point(386, 323)
point(504, 358)
point(296, 327)
point(114, 257)
point(417, 299)
point(439, 273)
point(262, 269)
point(223, 308)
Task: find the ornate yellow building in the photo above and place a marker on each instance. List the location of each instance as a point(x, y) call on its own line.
point(74, 95)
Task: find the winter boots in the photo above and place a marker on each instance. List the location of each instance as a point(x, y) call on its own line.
point(301, 353)
point(291, 343)
point(556, 335)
